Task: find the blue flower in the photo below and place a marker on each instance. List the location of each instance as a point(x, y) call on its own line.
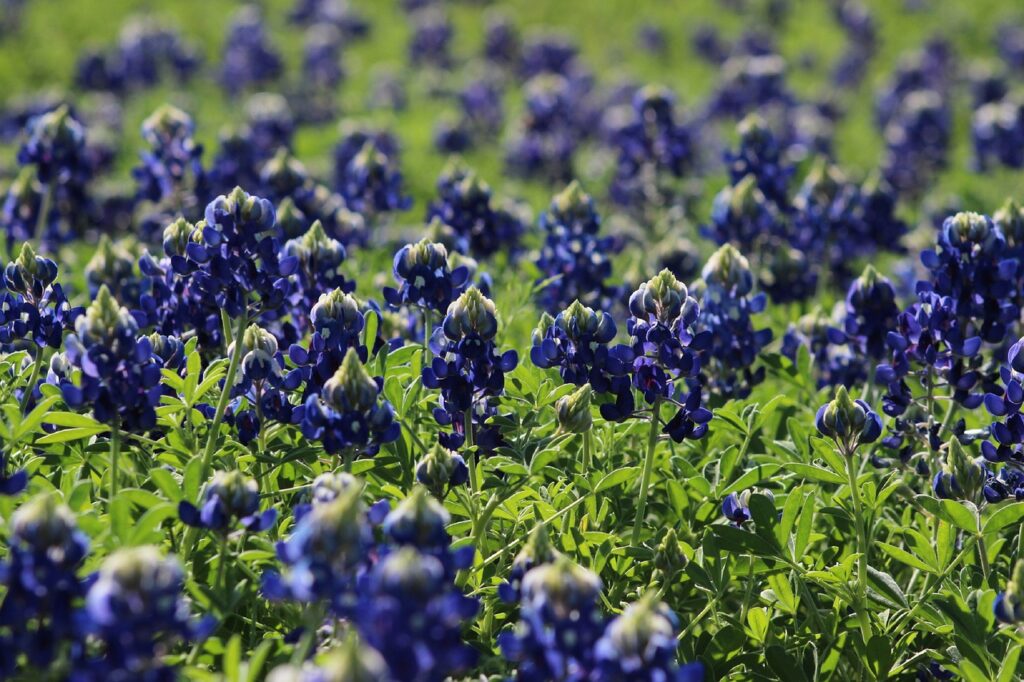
point(468, 370)
point(917, 141)
point(56, 147)
point(337, 321)
point(536, 550)
point(465, 203)
point(726, 307)
point(576, 343)
point(640, 644)
point(319, 260)
point(502, 44)
point(34, 308)
point(249, 59)
point(112, 265)
point(850, 423)
point(135, 608)
point(1008, 429)
point(425, 278)
point(430, 44)
point(559, 623)
point(742, 215)
point(654, 151)
point(440, 470)
point(119, 376)
point(871, 313)
point(546, 139)
point(574, 262)
point(229, 498)
point(1009, 604)
point(171, 171)
point(759, 154)
point(372, 184)
point(970, 266)
point(348, 416)
point(45, 552)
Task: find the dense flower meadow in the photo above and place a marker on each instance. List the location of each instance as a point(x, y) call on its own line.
point(328, 355)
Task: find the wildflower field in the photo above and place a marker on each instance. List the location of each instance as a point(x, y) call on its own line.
point(553, 341)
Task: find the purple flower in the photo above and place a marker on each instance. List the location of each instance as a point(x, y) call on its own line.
point(230, 498)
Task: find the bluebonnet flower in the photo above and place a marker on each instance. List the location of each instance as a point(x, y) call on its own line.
point(747, 83)
point(230, 498)
point(971, 267)
point(502, 43)
point(548, 53)
point(319, 267)
point(19, 214)
point(834, 364)
point(736, 506)
point(664, 353)
point(325, 554)
point(421, 522)
point(654, 152)
point(786, 273)
point(353, 138)
point(742, 215)
point(321, 57)
point(440, 470)
point(917, 141)
point(1010, 41)
point(147, 52)
point(559, 624)
point(929, 70)
point(270, 123)
point(34, 307)
point(135, 609)
point(338, 13)
point(262, 382)
point(468, 370)
point(337, 321)
point(961, 477)
point(120, 376)
point(452, 136)
point(430, 44)
point(545, 142)
point(1008, 430)
point(11, 482)
point(56, 147)
point(348, 416)
point(482, 109)
point(929, 339)
point(727, 303)
point(849, 423)
point(171, 173)
point(234, 256)
point(465, 202)
point(372, 184)
point(237, 161)
point(425, 278)
point(112, 265)
point(871, 313)
point(302, 201)
point(640, 644)
point(537, 550)
point(573, 410)
point(760, 154)
point(997, 132)
point(412, 613)
point(576, 343)
point(248, 59)
point(41, 586)
point(708, 44)
point(575, 261)
point(1009, 604)
point(1007, 483)
point(387, 90)
point(651, 38)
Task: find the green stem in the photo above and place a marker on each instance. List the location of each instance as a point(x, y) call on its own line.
point(427, 329)
point(862, 550)
point(225, 396)
point(586, 452)
point(115, 460)
point(37, 364)
point(983, 556)
point(474, 473)
point(221, 562)
point(645, 480)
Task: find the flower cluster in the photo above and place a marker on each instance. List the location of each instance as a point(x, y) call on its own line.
point(997, 132)
point(726, 306)
point(337, 322)
point(654, 152)
point(372, 184)
point(546, 139)
point(229, 499)
point(576, 342)
point(348, 416)
point(575, 261)
point(319, 259)
point(147, 53)
point(759, 154)
point(665, 355)
point(249, 59)
point(850, 423)
point(262, 383)
point(465, 203)
point(119, 375)
point(41, 586)
point(468, 371)
point(426, 280)
point(34, 307)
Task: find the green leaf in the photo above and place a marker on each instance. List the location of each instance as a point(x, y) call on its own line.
point(121, 518)
point(1008, 670)
point(72, 419)
point(959, 515)
point(68, 435)
point(32, 420)
point(782, 663)
point(1003, 517)
point(738, 540)
point(233, 659)
point(757, 620)
point(164, 480)
point(815, 473)
point(761, 472)
point(905, 557)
